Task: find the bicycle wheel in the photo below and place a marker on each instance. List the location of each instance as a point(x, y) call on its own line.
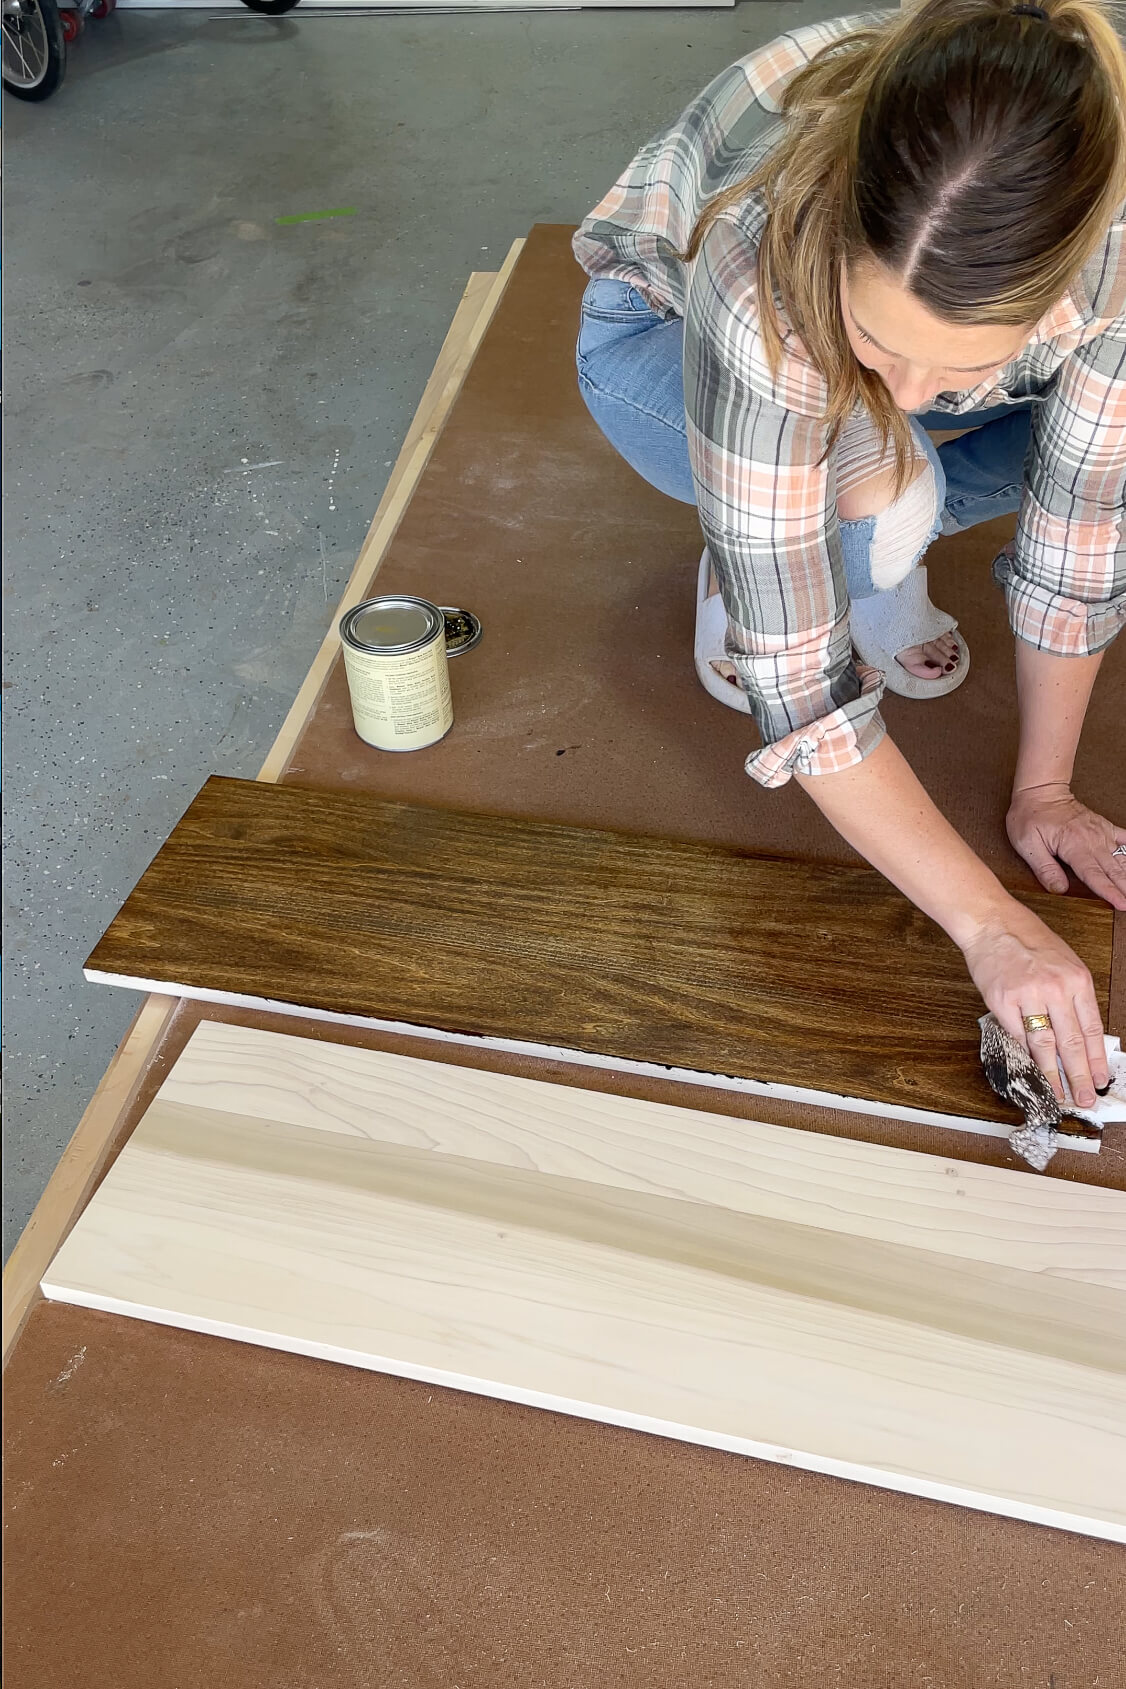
point(34, 51)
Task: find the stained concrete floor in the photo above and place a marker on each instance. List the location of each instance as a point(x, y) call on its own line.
point(203, 405)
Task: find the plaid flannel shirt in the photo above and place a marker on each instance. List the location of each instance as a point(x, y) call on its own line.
point(767, 503)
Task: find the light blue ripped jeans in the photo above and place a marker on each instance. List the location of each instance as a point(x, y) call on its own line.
point(630, 375)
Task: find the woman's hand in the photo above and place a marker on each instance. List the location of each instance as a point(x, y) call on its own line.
point(1049, 827)
point(1021, 968)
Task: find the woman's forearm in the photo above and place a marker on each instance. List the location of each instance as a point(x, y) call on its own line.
point(1053, 693)
point(883, 811)
point(1019, 965)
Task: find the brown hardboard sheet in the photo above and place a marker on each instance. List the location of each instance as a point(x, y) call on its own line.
point(581, 703)
point(815, 976)
point(186, 1511)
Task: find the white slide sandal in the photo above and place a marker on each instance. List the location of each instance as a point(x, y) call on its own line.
point(711, 643)
point(891, 621)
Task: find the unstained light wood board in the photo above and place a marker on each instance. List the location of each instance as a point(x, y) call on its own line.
point(952, 1331)
point(814, 981)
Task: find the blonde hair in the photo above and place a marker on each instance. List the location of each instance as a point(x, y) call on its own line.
point(975, 151)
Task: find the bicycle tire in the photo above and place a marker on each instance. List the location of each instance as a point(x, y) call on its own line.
point(271, 7)
point(55, 67)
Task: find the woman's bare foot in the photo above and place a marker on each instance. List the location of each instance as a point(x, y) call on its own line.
point(930, 661)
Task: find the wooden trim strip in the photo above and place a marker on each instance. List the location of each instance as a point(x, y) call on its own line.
point(70, 1185)
point(84, 1158)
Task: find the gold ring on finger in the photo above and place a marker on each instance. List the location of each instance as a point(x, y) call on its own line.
point(1037, 1023)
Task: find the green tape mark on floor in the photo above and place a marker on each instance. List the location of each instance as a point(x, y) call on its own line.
point(316, 216)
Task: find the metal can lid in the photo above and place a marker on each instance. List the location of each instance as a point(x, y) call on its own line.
point(463, 630)
point(392, 625)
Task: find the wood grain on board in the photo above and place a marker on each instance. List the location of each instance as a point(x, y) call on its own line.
point(655, 1149)
point(647, 950)
point(898, 1318)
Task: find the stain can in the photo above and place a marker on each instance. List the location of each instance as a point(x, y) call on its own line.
point(395, 658)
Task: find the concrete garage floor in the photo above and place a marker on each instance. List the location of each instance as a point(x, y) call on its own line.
point(165, 337)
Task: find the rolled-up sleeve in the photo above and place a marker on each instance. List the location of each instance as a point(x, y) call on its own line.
point(768, 511)
point(1065, 573)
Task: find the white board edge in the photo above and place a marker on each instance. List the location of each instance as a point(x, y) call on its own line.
point(584, 1058)
point(906, 1483)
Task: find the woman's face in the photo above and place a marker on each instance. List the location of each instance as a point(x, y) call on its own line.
point(917, 354)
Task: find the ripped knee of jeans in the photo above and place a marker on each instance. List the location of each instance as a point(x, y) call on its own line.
point(902, 532)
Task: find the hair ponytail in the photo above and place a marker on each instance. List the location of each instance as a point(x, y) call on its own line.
point(975, 150)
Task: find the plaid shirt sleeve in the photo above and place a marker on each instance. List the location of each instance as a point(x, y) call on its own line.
point(768, 510)
point(767, 501)
point(1065, 574)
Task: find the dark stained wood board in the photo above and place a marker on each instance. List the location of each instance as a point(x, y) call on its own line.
point(648, 950)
